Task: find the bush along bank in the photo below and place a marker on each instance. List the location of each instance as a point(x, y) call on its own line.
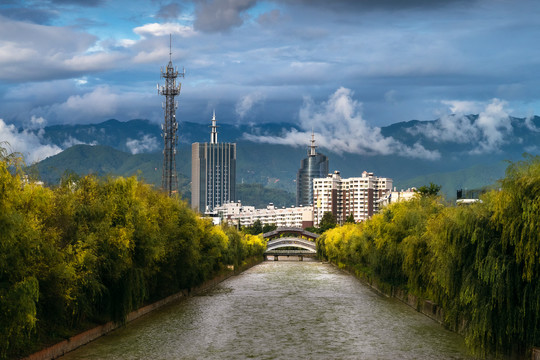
point(93, 250)
point(480, 263)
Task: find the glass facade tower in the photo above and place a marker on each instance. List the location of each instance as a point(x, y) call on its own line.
point(213, 173)
point(312, 167)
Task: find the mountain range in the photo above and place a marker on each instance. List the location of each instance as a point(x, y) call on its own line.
point(134, 148)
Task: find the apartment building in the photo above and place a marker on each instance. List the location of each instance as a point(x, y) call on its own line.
point(358, 196)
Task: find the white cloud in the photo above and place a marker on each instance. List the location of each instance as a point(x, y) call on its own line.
point(463, 107)
point(495, 124)
point(457, 128)
point(99, 103)
point(339, 127)
point(126, 42)
point(71, 141)
point(37, 122)
point(27, 143)
point(156, 29)
point(529, 123)
point(36, 52)
point(488, 132)
point(93, 62)
point(148, 143)
point(246, 103)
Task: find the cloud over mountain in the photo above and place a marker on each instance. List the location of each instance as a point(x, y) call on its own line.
point(28, 143)
point(489, 131)
point(339, 126)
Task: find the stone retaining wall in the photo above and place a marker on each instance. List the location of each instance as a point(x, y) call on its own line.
point(84, 338)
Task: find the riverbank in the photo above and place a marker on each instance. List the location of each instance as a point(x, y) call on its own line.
point(76, 341)
point(424, 306)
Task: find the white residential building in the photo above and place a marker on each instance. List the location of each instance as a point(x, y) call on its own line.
point(235, 213)
point(358, 196)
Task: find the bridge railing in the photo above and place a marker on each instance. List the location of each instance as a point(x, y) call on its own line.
point(282, 242)
point(285, 230)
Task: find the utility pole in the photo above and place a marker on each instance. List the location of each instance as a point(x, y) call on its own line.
point(169, 179)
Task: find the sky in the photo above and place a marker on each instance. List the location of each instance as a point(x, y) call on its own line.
point(321, 64)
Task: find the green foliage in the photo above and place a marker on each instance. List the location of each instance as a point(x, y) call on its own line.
point(431, 190)
point(350, 219)
point(258, 228)
point(255, 229)
point(269, 227)
point(328, 221)
point(92, 250)
point(480, 263)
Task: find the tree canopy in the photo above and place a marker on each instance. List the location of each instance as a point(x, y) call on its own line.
point(431, 190)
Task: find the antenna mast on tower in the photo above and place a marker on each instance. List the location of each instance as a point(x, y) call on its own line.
point(169, 179)
point(312, 151)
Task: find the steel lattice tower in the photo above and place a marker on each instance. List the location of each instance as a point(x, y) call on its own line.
point(169, 180)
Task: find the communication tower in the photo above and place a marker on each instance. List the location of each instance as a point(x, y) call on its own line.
point(169, 179)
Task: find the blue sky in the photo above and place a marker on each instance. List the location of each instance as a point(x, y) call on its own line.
point(85, 61)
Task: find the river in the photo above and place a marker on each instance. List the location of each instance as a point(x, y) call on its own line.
point(281, 310)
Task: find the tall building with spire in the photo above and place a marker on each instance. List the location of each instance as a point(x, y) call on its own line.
point(213, 172)
point(312, 167)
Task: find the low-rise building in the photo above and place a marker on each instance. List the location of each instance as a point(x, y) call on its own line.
point(235, 213)
point(397, 196)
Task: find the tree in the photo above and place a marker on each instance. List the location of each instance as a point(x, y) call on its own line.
point(350, 219)
point(328, 222)
point(254, 229)
point(269, 227)
point(431, 190)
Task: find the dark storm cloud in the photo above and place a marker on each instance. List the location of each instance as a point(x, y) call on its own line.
point(220, 15)
point(269, 18)
point(169, 12)
point(346, 5)
point(33, 15)
point(87, 3)
point(48, 52)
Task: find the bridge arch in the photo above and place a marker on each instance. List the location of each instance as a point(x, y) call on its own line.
point(291, 242)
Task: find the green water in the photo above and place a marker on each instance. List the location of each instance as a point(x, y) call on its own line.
point(282, 310)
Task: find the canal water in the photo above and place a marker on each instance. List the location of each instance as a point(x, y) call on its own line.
point(281, 310)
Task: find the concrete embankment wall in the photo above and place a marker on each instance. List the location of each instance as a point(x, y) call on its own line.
point(84, 338)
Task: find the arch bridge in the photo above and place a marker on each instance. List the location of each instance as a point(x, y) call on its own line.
point(304, 243)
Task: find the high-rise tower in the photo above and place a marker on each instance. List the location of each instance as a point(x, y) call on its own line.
point(312, 167)
point(213, 172)
point(169, 179)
